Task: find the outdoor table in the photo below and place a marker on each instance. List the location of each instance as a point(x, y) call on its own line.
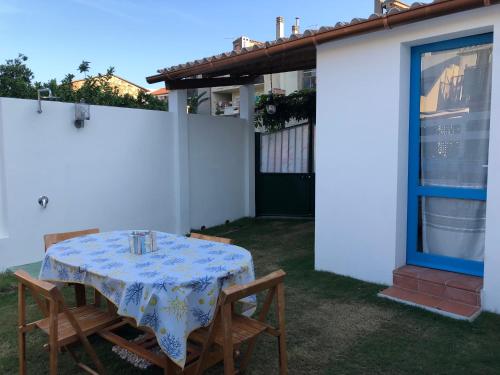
point(173, 290)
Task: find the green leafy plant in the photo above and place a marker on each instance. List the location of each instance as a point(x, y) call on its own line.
point(195, 100)
point(219, 111)
point(299, 105)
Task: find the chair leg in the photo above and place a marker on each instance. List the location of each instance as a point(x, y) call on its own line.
point(21, 335)
point(97, 298)
point(112, 309)
point(80, 364)
point(170, 367)
point(53, 352)
point(85, 342)
point(81, 298)
point(262, 318)
point(280, 307)
point(53, 347)
point(228, 340)
point(91, 352)
point(22, 352)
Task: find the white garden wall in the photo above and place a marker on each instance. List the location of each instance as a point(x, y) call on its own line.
point(116, 173)
point(362, 155)
point(216, 175)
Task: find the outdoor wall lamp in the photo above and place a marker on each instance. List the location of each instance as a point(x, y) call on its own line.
point(270, 106)
point(270, 109)
point(41, 97)
point(82, 113)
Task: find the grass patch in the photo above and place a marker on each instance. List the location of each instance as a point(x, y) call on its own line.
point(7, 283)
point(335, 324)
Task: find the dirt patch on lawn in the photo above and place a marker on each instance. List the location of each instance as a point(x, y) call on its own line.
point(319, 331)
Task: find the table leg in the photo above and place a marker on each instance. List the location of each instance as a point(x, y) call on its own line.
point(170, 367)
point(81, 299)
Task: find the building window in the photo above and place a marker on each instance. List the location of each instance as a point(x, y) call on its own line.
point(309, 79)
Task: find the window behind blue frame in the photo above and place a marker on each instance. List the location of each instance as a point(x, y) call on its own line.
point(448, 153)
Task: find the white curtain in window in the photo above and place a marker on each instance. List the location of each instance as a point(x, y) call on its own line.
point(455, 121)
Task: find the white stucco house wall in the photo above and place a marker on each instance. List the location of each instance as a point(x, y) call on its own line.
point(363, 107)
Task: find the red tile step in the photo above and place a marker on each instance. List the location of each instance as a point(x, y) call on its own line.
point(447, 293)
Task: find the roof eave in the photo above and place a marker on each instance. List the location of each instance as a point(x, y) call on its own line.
point(417, 12)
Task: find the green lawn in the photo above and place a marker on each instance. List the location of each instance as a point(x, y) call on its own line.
point(335, 325)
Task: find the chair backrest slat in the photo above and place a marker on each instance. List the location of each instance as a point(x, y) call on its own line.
point(236, 292)
point(52, 239)
point(205, 237)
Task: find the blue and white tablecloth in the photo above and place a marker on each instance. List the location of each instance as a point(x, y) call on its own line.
point(173, 290)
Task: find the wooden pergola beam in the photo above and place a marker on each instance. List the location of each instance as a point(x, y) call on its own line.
point(281, 69)
point(278, 64)
point(196, 83)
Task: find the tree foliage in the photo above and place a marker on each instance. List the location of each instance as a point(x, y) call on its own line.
point(84, 67)
point(16, 81)
point(299, 105)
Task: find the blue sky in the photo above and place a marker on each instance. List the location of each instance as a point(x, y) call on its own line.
point(138, 37)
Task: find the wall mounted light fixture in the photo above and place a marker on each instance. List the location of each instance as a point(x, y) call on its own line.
point(82, 113)
point(41, 97)
point(271, 108)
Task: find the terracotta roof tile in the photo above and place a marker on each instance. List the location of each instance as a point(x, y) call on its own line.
point(160, 91)
point(305, 34)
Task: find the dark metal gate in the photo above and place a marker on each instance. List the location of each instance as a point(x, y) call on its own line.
point(285, 172)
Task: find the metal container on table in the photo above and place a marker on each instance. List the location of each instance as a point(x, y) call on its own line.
point(142, 242)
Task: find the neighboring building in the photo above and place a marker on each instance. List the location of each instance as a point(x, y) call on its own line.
point(225, 100)
point(289, 82)
point(244, 42)
point(383, 6)
point(123, 86)
point(161, 93)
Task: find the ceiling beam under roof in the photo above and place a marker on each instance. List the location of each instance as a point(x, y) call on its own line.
point(279, 68)
point(196, 83)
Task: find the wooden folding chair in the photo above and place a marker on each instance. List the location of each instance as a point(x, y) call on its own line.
point(52, 239)
point(229, 329)
point(211, 238)
point(63, 325)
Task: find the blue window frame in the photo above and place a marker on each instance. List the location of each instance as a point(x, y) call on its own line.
point(415, 190)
